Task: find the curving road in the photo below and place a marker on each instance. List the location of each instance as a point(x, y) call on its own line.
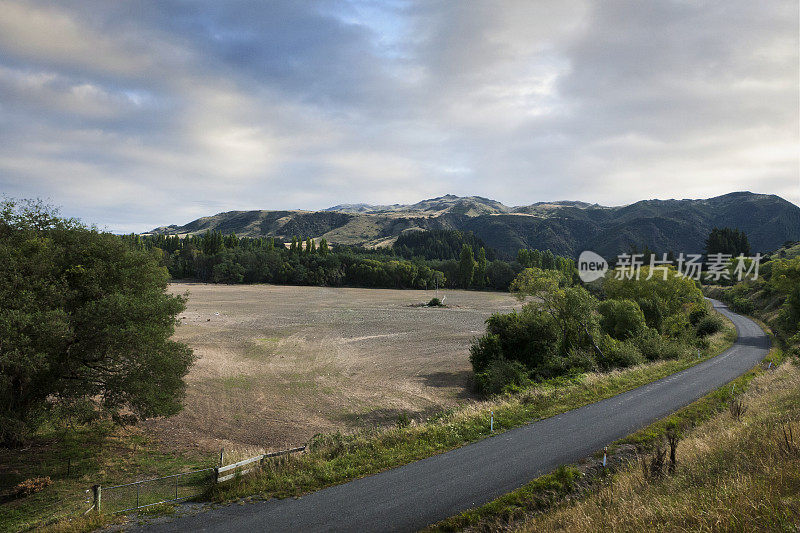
point(418, 494)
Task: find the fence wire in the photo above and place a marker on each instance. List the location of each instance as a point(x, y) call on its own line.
point(149, 492)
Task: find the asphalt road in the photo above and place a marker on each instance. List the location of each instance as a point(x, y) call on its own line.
point(413, 496)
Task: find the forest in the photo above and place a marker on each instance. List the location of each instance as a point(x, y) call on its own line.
point(423, 260)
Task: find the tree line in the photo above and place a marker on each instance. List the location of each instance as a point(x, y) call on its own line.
point(418, 262)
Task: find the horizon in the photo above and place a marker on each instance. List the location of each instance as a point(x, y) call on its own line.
point(136, 116)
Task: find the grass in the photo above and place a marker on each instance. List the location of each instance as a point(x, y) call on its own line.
point(75, 459)
point(337, 458)
point(733, 475)
point(547, 492)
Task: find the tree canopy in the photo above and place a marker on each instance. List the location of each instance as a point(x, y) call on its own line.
point(85, 321)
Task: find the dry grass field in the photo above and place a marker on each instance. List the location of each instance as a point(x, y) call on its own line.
point(277, 364)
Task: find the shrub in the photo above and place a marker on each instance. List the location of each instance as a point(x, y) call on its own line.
point(435, 302)
point(529, 336)
point(677, 326)
point(652, 345)
point(697, 313)
point(485, 350)
point(31, 486)
point(652, 312)
point(742, 305)
point(500, 375)
point(621, 355)
point(622, 319)
point(709, 325)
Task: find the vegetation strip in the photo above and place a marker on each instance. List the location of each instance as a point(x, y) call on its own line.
point(550, 490)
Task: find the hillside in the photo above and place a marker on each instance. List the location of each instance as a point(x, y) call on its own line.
point(566, 227)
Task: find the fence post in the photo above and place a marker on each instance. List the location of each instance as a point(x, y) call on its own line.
point(216, 475)
point(176, 487)
point(97, 491)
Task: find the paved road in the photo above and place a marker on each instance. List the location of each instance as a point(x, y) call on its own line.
point(418, 494)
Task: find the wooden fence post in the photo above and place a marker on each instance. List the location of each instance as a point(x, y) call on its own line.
point(97, 491)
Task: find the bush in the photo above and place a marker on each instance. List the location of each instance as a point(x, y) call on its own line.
point(529, 336)
point(621, 355)
point(622, 319)
point(652, 345)
point(500, 375)
point(742, 305)
point(697, 313)
point(31, 486)
point(652, 312)
point(709, 325)
point(435, 302)
point(677, 326)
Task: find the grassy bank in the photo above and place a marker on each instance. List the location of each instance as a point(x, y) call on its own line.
point(732, 474)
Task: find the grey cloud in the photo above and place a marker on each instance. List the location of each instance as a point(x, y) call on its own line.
point(137, 114)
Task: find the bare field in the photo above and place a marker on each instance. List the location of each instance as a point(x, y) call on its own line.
point(277, 364)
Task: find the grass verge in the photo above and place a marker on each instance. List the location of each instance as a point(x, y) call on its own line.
point(556, 502)
point(733, 475)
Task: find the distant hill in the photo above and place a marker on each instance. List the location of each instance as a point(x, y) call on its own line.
point(566, 227)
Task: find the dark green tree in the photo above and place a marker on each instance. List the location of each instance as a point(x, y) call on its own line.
point(466, 267)
point(727, 241)
point(85, 319)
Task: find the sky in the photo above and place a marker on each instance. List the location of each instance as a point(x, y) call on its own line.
point(132, 115)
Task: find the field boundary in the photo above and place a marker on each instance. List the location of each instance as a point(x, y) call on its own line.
point(140, 499)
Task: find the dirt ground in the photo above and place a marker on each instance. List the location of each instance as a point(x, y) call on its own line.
point(277, 364)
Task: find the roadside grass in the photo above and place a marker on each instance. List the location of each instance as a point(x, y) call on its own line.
point(75, 459)
point(336, 458)
point(732, 475)
point(556, 491)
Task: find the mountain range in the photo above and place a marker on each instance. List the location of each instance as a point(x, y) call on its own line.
point(565, 227)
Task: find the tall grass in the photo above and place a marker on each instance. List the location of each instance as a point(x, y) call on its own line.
point(733, 475)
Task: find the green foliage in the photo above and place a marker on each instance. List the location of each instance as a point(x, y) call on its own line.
point(727, 241)
point(83, 318)
point(438, 244)
point(564, 330)
point(403, 420)
point(708, 325)
point(620, 354)
point(622, 319)
point(435, 302)
point(653, 346)
point(466, 267)
point(671, 294)
point(501, 375)
point(529, 336)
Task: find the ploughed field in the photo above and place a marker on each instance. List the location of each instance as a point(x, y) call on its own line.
point(277, 364)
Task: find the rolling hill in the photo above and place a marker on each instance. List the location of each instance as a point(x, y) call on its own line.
point(565, 227)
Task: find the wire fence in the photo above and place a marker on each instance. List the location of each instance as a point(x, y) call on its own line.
point(148, 492)
point(173, 488)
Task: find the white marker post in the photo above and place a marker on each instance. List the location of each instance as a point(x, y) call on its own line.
point(491, 423)
point(605, 456)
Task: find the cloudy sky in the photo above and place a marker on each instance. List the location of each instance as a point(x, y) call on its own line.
point(132, 115)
